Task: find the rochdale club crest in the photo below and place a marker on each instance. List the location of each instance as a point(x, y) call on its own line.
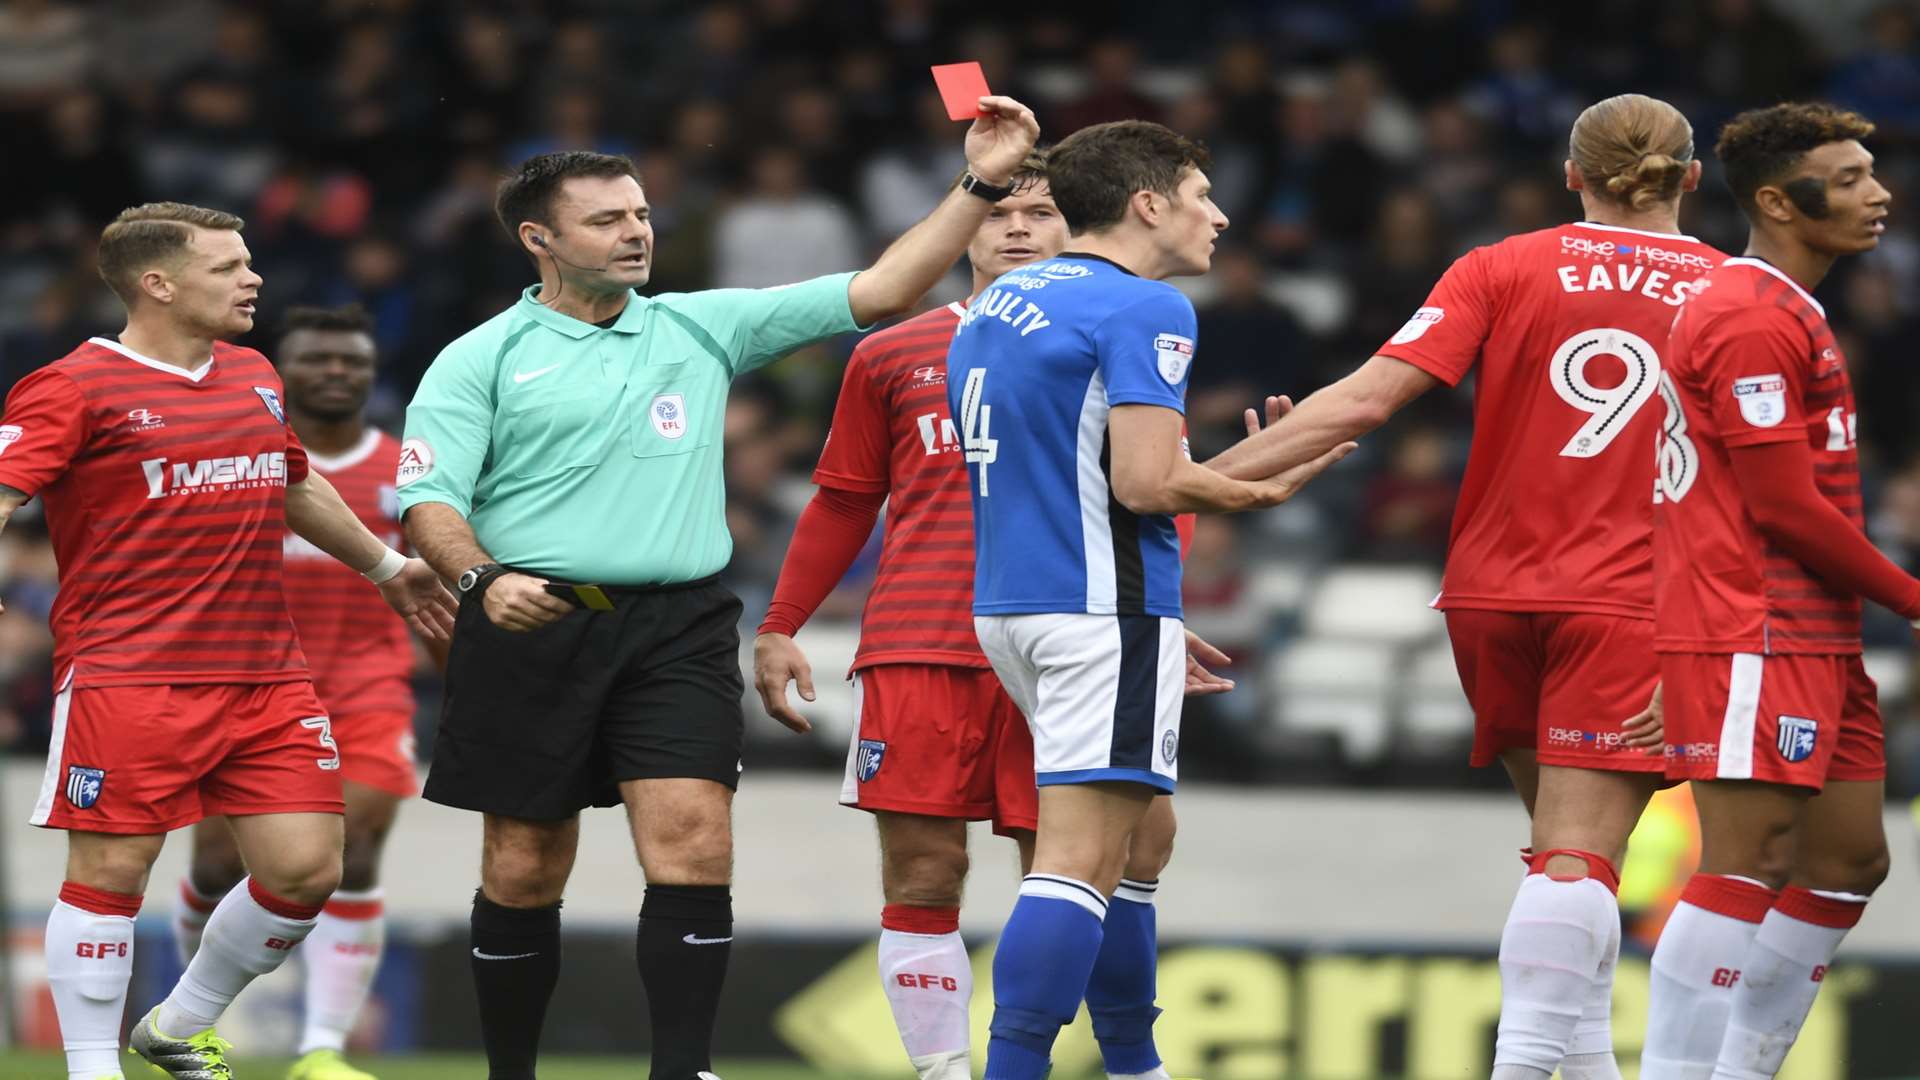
point(84, 784)
point(867, 762)
point(1797, 735)
point(1170, 747)
point(272, 401)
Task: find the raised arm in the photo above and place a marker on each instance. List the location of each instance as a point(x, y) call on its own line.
point(1000, 139)
point(1333, 415)
point(1152, 476)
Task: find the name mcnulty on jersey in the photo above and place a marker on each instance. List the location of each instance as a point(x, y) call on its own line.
point(1009, 307)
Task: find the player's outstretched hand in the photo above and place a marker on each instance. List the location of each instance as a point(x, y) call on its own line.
point(1277, 407)
point(521, 602)
point(421, 598)
point(1277, 489)
point(1648, 729)
point(1000, 139)
point(1200, 681)
point(777, 660)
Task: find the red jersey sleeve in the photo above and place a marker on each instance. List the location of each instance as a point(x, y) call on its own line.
point(45, 427)
point(1753, 364)
point(859, 449)
point(296, 458)
point(1444, 337)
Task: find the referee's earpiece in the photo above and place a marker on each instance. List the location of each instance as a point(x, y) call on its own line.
point(539, 240)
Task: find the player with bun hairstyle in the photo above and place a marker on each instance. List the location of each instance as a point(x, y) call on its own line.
point(1761, 560)
point(1548, 591)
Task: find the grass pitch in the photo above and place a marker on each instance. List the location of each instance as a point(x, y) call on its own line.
point(43, 1066)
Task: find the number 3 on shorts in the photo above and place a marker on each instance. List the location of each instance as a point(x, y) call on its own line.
point(324, 725)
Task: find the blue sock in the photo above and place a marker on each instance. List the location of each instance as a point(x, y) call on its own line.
point(1040, 972)
point(1121, 991)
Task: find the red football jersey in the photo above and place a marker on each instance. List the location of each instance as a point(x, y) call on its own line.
point(165, 496)
point(1568, 327)
point(361, 655)
point(1751, 361)
point(892, 432)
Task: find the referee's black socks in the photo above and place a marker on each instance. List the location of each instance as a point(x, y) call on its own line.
point(516, 962)
point(686, 935)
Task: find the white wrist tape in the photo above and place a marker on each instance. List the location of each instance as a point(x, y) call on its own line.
point(387, 568)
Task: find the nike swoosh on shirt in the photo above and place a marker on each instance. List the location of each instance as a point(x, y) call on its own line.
point(490, 956)
point(692, 940)
point(529, 376)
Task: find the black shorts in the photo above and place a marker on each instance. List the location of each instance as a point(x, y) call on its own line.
point(544, 723)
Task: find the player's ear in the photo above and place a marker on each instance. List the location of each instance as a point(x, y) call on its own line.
point(157, 286)
point(1147, 205)
point(1774, 205)
point(1575, 181)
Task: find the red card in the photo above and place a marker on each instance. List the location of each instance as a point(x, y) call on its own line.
point(961, 87)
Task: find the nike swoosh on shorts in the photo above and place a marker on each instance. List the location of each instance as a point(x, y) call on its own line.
point(491, 956)
point(692, 940)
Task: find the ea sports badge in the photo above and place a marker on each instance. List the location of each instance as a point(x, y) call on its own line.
point(669, 415)
point(868, 757)
point(84, 784)
point(1762, 398)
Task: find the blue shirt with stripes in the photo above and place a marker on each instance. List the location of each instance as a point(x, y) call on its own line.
point(1040, 358)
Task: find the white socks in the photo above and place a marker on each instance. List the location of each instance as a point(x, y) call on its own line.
point(929, 983)
point(251, 933)
point(89, 949)
point(1557, 936)
point(190, 916)
point(1696, 966)
point(341, 957)
point(1780, 978)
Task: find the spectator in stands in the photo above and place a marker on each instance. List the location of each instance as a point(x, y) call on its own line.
point(1113, 93)
point(1409, 505)
point(783, 230)
point(899, 182)
point(1250, 347)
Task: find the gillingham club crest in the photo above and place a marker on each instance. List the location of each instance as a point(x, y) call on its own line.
point(1797, 734)
point(867, 763)
point(272, 401)
point(84, 784)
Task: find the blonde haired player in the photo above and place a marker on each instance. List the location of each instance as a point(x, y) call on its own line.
point(1548, 591)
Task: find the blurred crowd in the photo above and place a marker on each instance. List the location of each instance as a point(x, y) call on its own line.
point(1359, 146)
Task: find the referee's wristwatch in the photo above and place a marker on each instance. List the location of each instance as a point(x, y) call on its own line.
point(979, 188)
point(474, 582)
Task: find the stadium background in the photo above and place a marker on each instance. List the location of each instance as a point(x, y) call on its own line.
point(1338, 859)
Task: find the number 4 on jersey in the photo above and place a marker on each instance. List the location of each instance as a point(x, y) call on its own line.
point(975, 420)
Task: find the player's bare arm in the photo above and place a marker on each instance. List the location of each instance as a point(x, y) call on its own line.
point(1152, 476)
point(10, 500)
point(777, 660)
point(445, 540)
point(321, 517)
point(1346, 410)
point(1000, 139)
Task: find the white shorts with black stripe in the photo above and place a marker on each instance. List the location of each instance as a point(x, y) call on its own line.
point(1102, 693)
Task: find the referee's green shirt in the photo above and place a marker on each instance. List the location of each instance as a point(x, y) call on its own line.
point(593, 455)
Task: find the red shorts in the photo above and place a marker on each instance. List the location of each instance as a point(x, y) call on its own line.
point(1559, 683)
point(1800, 720)
point(376, 749)
point(942, 741)
point(151, 759)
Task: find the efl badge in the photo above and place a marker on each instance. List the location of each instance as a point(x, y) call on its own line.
point(416, 461)
point(1417, 326)
point(871, 753)
point(84, 784)
point(1796, 737)
point(1170, 746)
point(272, 401)
point(1762, 398)
point(669, 415)
point(1174, 353)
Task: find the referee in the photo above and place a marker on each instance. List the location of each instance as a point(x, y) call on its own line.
point(562, 465)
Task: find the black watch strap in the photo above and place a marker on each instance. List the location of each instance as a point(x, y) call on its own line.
point(975, 186)
point(475, 580)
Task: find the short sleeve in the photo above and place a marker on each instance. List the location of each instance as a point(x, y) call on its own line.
point(42, 429)
point(1146, 351)
point(858, 455)
point(449, 430)
point(1753, 363)
point(759, 326)
point(1444, 336)
point(296, 458)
